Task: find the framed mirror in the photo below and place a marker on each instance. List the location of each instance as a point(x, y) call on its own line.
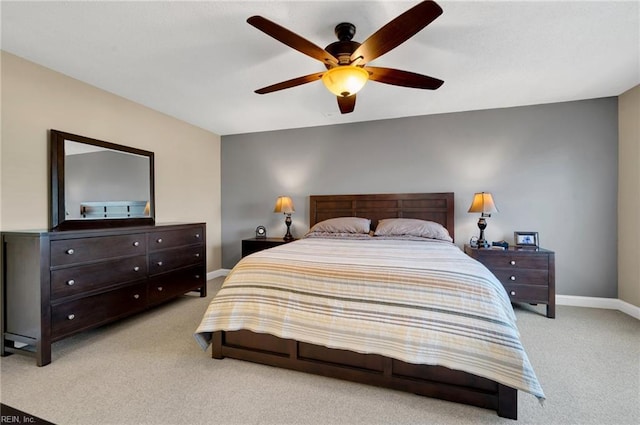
point(98, 184)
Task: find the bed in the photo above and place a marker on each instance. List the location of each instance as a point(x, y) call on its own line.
point(402, 312)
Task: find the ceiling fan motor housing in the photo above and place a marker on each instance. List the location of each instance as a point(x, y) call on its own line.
point(343, 49)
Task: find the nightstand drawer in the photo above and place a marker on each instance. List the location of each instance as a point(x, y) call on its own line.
point(522, 276)
point(249, 246)
point(512, 260)
point(527, 293)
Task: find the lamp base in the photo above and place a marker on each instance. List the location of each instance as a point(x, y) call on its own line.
point(483, 244)
point(288, 237)
point(482, 224)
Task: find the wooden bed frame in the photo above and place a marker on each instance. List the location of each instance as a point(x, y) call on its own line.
point(433, 381)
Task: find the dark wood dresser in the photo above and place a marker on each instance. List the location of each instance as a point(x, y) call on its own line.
point(527, 274)
point(55, 284)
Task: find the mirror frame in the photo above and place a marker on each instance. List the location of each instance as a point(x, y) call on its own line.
point(57, 190)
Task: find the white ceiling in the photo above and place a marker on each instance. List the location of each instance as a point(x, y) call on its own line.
point(200, 61)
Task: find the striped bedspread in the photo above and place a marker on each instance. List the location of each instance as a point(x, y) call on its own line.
point(423, 302)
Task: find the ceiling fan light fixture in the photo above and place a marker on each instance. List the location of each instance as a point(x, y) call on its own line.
point(345, 80)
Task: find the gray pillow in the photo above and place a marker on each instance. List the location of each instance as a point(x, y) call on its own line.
point(390, 227)
point(343, 225)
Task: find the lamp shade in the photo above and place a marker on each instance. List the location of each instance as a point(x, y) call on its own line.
point(284, 204)
point(147, 208)
point(345, 80)
point(483, 203)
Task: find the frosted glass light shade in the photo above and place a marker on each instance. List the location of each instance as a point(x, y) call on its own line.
point(345, 80)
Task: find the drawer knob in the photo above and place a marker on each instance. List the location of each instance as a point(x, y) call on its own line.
point(197, 254)
point(197, 276)
point(160, 263)
point(197, 235)
point(512, 262)
point(136, 243)
point(136, 296)
point(70, 251)
point(512, 277)
point(159, 288)
point(136, 268)
point(513, 293)
point(71, 316)
point(71, 282)
point(159, 240)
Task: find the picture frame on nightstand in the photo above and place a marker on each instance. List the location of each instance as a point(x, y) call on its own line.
point(526, 239)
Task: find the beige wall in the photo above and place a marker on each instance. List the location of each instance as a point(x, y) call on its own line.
point(36, 99)
point(629, 197)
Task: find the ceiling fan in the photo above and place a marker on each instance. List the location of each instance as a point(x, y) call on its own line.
point(346, 60)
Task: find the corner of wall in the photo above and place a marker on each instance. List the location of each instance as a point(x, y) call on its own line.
point(629, 196)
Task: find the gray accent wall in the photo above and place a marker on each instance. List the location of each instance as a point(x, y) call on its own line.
point(551, 169)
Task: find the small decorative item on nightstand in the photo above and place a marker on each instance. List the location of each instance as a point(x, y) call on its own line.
point(526, 239)
point(261, 232)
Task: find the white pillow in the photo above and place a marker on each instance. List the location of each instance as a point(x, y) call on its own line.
point(412, 227)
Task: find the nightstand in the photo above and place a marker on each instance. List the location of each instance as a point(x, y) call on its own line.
point(527, 274)
point(249, 246)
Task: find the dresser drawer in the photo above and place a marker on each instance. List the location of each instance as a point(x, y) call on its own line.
point(71, 251)
point(83, 313)
point(168, 285)
point(165, 261)
point(527, 293)
point(79, 279)
point(173, 238)
point(512, 260)
point(523, 276)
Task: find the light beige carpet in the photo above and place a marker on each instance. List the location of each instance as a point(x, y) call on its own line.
point(148, 369)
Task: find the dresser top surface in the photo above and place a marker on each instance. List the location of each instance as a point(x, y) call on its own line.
point(105, 231)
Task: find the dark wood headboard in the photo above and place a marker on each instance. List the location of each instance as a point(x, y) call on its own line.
point(436, 207)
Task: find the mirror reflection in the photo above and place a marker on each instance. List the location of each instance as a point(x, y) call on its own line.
point(99, 184)
point(104, 183)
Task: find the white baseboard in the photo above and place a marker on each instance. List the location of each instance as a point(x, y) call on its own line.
point(571, 300)
point(595, 302)
point(217, 273)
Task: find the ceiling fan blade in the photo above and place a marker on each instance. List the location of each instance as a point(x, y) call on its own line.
point(291, 83)
point(347, 104)
point(397, 31)
point(292, 39)
point(397, 77)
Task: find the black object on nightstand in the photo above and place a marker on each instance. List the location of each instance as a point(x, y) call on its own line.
point(249, 246)
point(528, 275)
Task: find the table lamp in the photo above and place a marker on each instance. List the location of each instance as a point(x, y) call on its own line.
point(284, 204)
point(482, 203)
